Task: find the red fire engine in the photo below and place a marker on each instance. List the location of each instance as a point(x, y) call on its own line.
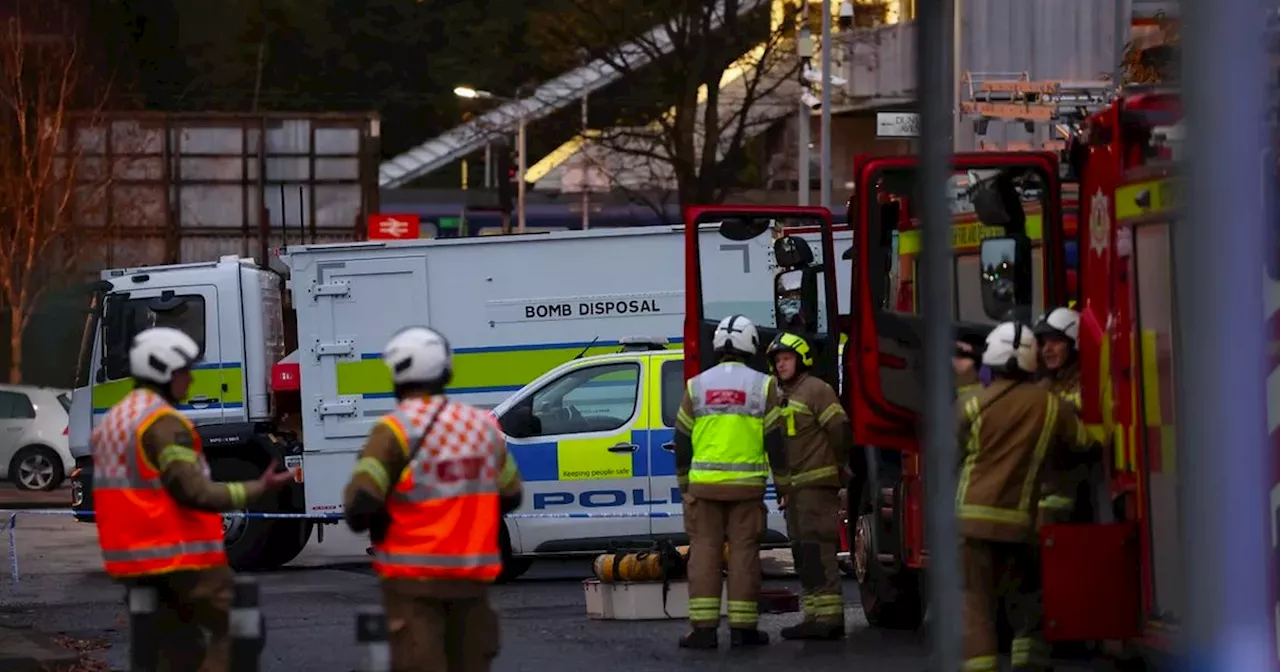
point(1115, 267)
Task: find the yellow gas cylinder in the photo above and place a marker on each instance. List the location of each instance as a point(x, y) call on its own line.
point(684, 553)
point(643, 566)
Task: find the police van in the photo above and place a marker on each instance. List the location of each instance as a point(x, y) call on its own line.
point(594, 442)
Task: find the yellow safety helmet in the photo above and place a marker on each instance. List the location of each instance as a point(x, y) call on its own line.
point(788, 342)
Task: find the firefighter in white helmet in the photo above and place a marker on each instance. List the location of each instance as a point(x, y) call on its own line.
point(728, 437)
point(1058, 333)
point(149, 466)
point(1022, 425)
point(431, 486)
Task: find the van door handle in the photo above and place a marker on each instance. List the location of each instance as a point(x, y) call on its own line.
point(624, 448)
point(201, 401)
point(669, 446)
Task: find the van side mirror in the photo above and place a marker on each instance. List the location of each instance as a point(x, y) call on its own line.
point(795, 296)
point(111, 335)
point(792, 252)
point(1005, 268)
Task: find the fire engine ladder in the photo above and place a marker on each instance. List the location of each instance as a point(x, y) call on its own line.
point(1015, 97)
point(554, 95)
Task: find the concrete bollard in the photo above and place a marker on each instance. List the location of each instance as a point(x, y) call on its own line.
point(144, 652)
point(371, 638)
point(247, 628)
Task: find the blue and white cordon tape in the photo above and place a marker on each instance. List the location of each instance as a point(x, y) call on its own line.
point(11, 525)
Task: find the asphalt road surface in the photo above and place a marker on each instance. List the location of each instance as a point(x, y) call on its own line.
point(309, 608)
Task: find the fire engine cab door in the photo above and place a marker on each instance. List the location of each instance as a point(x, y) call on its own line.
point(725, 247)
point(887, 358)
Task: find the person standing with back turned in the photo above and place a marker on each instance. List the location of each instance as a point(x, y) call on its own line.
point(157, 510)
point(818, 441)
point(727, 439)
point(1007, 433)
point(431, 486)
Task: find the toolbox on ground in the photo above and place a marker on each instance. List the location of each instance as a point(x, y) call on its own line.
point(641, 600)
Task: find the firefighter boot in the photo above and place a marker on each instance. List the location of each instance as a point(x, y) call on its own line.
point(814, 630)
point(700, 638)
point(747, 637)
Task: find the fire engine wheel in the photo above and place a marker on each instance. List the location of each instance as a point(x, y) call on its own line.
point(893, 602)
point(890, 601)
point(258, 543)
point(512, 567)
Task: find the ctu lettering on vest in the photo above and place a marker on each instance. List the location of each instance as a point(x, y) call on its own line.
point(465, 468)
point(725, 398)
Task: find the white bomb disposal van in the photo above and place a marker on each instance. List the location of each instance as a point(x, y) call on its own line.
point(291, 367)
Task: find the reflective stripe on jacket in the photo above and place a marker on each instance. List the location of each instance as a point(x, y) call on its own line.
point(729, 416)
point(444, 507)
point(814, 427)
point(141, 529)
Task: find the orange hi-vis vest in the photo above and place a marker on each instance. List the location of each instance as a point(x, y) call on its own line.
point(141, 529)
point(444, 506)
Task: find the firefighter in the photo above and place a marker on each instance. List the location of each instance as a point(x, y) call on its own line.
point(789, 303)
point(149, 465)
point(965, 362)
point(431, 486)
point(818, 441)
point(727, 439)
point(1057, 333)
point(1008, 431)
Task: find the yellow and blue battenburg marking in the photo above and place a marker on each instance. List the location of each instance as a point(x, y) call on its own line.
point(590, 460)
point(502, 368)
point(220, 381)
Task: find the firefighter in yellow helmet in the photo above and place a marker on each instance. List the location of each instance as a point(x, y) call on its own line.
point(727, 439)
point(818, 441)
point(1007, 431)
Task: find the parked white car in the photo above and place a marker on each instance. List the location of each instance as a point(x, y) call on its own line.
point(34, 452)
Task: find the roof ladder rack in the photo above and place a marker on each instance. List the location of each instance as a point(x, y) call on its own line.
point(1015, 97)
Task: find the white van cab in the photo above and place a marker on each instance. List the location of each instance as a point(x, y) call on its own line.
point(594, 436)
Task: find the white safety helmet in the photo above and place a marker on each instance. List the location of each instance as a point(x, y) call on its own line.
point(736, 334)
point(419, 355)
point(1010, 345)
point(1060, 322)
point(158, 352)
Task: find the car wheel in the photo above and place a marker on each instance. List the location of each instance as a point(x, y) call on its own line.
point(36, 468)
point(512, 567)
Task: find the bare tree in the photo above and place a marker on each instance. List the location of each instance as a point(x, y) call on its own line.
point(708, 77)
point(44, 87)
point(1153, 58)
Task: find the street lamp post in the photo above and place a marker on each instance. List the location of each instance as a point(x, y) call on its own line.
point(521, 147)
